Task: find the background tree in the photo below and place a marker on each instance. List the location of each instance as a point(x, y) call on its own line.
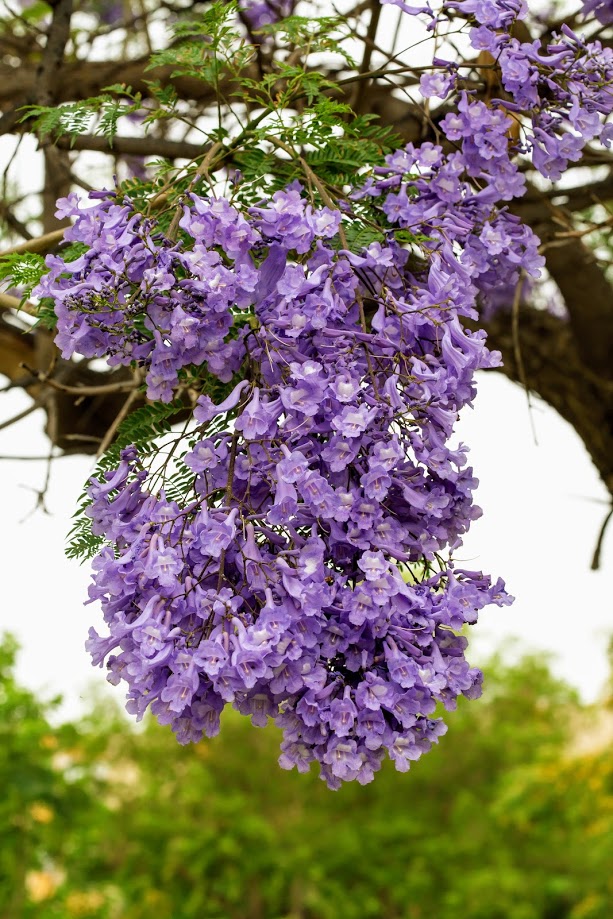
point(493, 824)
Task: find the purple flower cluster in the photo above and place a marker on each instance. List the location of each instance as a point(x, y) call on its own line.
point(303, 579)
point(259, 13)
point(136, 296)
point(495, 14)
point(452, 200)
point(559, 95)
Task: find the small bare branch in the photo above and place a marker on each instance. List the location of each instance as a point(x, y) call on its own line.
point(110, 434)
point(103, 389)
point(38, 403)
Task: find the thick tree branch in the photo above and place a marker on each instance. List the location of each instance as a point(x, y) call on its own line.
point(58, 182)
point(555, 370)
point(57, 171)
point(360, 87)
point(537, 207)
point(49, 69)
point(8, 302)
point(133, 146)
point(81, 403)
point(40, 244)
point(81, 79)
point(588, 297)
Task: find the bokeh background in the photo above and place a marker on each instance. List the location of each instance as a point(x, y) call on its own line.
point(511, 817)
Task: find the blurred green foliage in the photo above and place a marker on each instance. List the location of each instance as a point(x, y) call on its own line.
point(509, 818)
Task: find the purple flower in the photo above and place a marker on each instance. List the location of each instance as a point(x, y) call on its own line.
point(211, 656)
point(436, 84)
point(342, 715)
point(260, 13)
point(343, 758)
point(374, 565)
point(602, 9)
point(258, 416)
point(163, 562)
point(351, 422)
point(374, 692)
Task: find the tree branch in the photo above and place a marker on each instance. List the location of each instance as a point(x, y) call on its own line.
point(360, 87)
point(554, 369)
point(81, 79)
point(24, 414)
point(133, 146)
point(537, 207)
point(102, 389)
point(50, 67)
point(588, 297)
point(39, 245)
point(8, 302)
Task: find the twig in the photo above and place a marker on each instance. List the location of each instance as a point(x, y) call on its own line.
point(41, 494)
point(325, 197)
point(102, 389)
point(32, 459)
point(133, 146)
point(38, 403)
point(579, 234)
point(603, 529)
point(202, 170)
point(163, 195)
point(110, 434)
point(84, 438)
point(519, 360)
point(13, 223)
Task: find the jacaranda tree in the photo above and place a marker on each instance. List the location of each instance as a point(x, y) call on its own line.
point(293, 299)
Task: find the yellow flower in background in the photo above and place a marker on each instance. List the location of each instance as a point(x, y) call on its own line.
point(84, 902)
point(49, 742)
point(41, 885)
point(41, 813)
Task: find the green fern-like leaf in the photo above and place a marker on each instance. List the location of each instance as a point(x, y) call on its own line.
point(74, 118)
point(320, 34)
point(142, 428)
point(180, 484)
point(208, 48)
point(359, 235)
point(22, 269)
point(82, 544)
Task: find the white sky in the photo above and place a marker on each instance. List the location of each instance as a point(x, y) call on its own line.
point(541, 519)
